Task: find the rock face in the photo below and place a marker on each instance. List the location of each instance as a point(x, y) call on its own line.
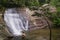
point(34, 21)
point(52, 9)
point(39, 23)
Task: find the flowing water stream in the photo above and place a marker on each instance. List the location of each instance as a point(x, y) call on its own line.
point(15, 21)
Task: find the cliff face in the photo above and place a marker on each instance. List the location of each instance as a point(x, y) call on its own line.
point(34, 21)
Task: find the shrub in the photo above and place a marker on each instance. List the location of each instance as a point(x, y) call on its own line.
point(14, 3)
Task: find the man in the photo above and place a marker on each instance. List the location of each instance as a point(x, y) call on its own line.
point(16, 21)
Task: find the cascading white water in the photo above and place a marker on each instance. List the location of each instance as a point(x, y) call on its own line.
point(16, 22)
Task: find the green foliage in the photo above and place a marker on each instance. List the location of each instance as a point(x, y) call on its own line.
point(54, 17)
point(32, 3)
point(14, 3)
point(42, 2)
point(56, 20)
point(55, 2)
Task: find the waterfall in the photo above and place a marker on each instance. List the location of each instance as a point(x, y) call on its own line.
point(16, 22)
